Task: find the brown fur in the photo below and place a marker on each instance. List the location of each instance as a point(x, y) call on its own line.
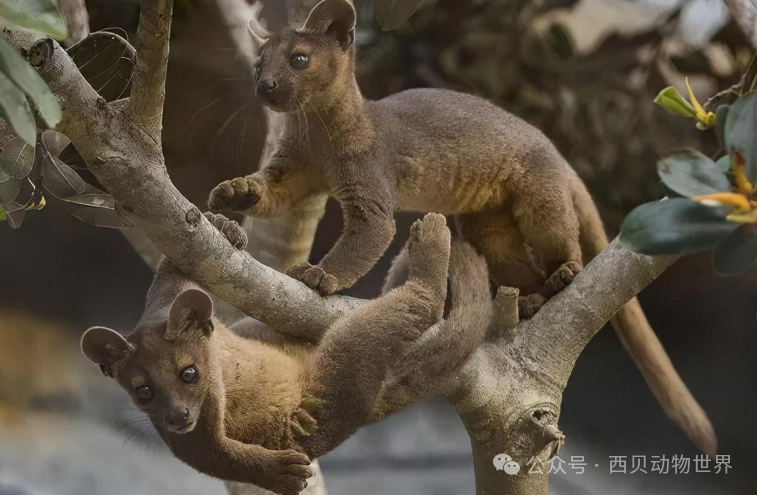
point(261, 407)
point(515, 198)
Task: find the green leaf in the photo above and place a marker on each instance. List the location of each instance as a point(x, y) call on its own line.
point(740, 132)
point(674, 102)
point(724, 163)
point(690, 173)
point(391, 14)
point(675, 226)
point(3, 216)
point(26, 78)
point(736, 253)
point(16, 110)
point(39, 16)
point(721, 116)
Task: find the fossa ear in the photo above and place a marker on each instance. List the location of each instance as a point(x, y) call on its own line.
point(333, 17)
point(106, 348)
point(259, 34)
point(190, 316)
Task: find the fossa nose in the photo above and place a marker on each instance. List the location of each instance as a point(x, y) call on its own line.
point(177, 419)
point(266, 86)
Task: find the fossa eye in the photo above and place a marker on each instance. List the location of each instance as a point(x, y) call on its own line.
point(299, 61)
point(189, 374)
point(144, 394)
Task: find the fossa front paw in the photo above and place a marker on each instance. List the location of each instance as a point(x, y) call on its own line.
point(529, 305)
point(314, 277)
point(240, 194)
point(561, 278)
point(287, 472)
point(233, 232)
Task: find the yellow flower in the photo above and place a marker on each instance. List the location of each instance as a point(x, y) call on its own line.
point(742, 183)
point(705, 119)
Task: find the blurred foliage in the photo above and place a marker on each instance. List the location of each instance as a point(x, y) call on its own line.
point(391, 14)
point(714, 205)
point(18, 80)
point(595, 106)
point(36, 16)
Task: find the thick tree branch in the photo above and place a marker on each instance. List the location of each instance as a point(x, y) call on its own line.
point(149, 86)
point(571, 319)
point(510, 391)
point(129, 163)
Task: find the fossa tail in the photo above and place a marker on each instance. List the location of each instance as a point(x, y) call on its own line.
point(641, 342)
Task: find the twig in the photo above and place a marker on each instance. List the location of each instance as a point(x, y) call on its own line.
point(149, 86)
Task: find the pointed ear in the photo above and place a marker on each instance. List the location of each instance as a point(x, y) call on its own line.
point(333, 17)
point(190, 316)
point(259, 34)
point(106, 348)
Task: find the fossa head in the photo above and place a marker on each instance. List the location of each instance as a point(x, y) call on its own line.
point(165, 364)
point(304, 68)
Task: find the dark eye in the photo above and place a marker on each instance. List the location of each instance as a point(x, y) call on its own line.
point(144, 394)
point(300, 62)
point(189, 374)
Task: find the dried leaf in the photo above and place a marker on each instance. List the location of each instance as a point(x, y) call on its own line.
point(106, 60)
point(60, 180)
point(17, 159)
point(15, 218)
point(96, 209)
point(54, 142)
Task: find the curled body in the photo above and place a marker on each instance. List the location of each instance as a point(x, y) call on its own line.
point(248, 405)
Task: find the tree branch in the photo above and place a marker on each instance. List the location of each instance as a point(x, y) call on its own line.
point(744, 13)
point(571, 319)
point(149, 85)
point(129, 163)
point(510, 391)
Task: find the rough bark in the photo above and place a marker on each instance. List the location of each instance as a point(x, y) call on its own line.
point(508, 394)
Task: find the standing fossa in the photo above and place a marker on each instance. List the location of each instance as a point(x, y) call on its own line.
point(254, 410)
point(514, 197)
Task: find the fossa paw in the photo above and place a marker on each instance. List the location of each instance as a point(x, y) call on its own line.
point(240, 194)
point(314, 277)
point(233, 232)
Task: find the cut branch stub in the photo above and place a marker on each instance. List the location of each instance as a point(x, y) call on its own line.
point(506, 314)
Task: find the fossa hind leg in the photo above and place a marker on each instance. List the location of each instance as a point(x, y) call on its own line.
point(353, 359)
point(496, 237)
point(550, 228)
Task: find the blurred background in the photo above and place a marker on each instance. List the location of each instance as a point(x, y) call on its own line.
point(583, 71)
